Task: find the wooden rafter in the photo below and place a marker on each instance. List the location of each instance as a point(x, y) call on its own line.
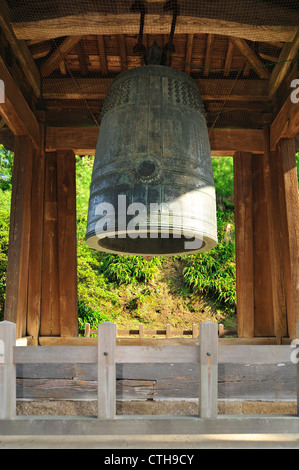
point(82, 57)
point(288, 53)
point(228, 59)
point(103, 61)
point(248, 53)
point(58, 55)
point(15, 110)
point(20, 50)
point(189, 47)
point(121, 40)
point(208, 55)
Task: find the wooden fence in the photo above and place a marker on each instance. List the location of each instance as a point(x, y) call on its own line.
point(106, 354)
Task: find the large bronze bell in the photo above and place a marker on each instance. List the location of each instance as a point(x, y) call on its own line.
point(152, 191)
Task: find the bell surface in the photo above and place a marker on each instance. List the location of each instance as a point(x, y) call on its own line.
point(152, 190)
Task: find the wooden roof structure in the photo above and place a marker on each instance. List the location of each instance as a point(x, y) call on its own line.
point(57, 61)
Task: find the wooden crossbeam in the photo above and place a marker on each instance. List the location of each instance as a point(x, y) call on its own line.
point(222, 141)
point(288, 53)
point(59, 54)
point(98, 23)
point(208, 56)
point(228, 60)
point(20, 50)
point(286, 123)
point(189, 46)
point(246, 50)
point(15, 110)
point(210, 89)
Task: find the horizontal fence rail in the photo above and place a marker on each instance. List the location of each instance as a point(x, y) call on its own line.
point(208, 354)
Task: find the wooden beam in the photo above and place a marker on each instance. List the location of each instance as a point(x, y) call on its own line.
point(15, 110)
point(19, 236)
point(97, 23)
point(286, 123)
point(288, 53)
point(7, 139)
point(59, 54)
point(121, 41)
point(210, 89)
point(222, 141)
point(244, 243)
point(83, 62)
point(246, 50)
point(20, 50)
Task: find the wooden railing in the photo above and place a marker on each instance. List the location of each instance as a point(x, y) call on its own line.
point(106, 354)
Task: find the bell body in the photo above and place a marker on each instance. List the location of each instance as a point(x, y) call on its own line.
point(152, 191)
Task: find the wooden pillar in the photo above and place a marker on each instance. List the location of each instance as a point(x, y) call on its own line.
point(59, 287)
point(19, 236)
point(285, 154)
point(36, 244)
point(50, 314)
point(67, 242)
point(244, 243)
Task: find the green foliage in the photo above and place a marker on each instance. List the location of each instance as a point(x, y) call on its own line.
point(6, 166)
point(129, 269)
point(213, 273)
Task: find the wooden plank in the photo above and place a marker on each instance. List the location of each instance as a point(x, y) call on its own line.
point(19, 236)
point(254, 60)
point(7, 371)
point(263, 305)
point(276, 239)
point(286, 152)
point(59, 54)
point(15, 110)
point(20, 50)
point(55, 354)
point(288, 53)
point(50, 311)
point(210, 89)
point(223, 141)
point(208, 367)
point(157, 354)
point(67, 242)
point(36, 244)
point(244, 243)
point(101, 49)
point(106, 371)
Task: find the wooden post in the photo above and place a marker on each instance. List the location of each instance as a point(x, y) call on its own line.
point(19, 236)
point(36, 244)
point(67, 242)
point(263, 304)
point(195, 330)
point(208, 344)
point(168, 331)
point(244, 243)
point(277, 237)
point(7, 370)
point(297, 366)
point(106, 370)
point(141, 330)
point(87, 330)
point(287, 155)
point(50, 276)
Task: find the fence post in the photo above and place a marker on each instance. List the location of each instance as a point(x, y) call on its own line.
point(208, 344)
point(106, 370)
point(7, 370)
point(87, 330)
